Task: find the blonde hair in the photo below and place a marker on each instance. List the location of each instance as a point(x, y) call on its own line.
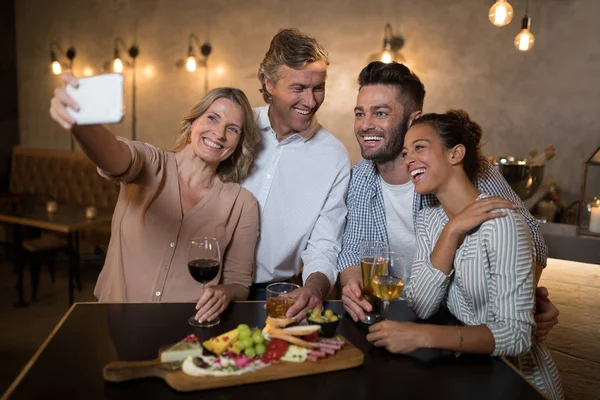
point(237, 166)
point(292, 48)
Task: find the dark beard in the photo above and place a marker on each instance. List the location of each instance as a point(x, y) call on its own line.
point(393, 147)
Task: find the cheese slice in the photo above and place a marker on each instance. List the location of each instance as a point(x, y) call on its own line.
point(189, 346)
point(295, 354)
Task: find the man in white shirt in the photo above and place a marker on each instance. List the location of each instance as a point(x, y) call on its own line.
point(300, 176)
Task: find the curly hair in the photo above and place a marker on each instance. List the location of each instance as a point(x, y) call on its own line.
point(237, 167)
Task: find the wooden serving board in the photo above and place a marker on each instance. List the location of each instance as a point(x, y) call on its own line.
point(120, 371)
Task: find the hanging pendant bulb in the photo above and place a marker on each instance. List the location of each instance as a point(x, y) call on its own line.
point(525, 40)
point(501, 13)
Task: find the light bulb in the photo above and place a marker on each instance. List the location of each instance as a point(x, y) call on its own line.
point(501, 13)
point(118, 65)
point(190, 64)
point(387, 57)
point(56, 68)
point(525, 40)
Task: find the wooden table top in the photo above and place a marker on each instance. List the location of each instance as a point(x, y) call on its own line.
point(29, 211)
point(70, 363)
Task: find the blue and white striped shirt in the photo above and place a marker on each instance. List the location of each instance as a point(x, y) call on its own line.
point(300, 184)
point(491, 284)
point(366, 212)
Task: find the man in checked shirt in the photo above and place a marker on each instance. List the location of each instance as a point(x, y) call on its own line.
point(382, 203)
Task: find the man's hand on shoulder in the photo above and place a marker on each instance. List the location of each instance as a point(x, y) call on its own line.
point(546, 314)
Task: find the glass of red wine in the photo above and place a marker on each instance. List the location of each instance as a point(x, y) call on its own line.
point(204, 261)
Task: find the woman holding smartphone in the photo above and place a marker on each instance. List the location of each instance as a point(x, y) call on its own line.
point(168, 198)
point(472, 256)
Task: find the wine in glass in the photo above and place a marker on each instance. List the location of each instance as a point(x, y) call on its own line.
point(388, 283)
point(372, 255)
point(204, 261)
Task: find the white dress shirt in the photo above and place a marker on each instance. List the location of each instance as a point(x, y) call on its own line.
point(300, 184)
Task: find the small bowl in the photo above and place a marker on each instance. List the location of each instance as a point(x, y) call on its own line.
point(327, 328)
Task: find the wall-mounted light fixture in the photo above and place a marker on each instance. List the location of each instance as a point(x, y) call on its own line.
point(193, 59)
point(391, 45)
point(117, 64)
point(501, 13)
point(56, 66)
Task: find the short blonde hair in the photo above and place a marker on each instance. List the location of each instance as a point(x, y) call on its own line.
point(237, 167)
point(292, 48)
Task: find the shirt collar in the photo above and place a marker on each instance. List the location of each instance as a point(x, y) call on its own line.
point(264, 123)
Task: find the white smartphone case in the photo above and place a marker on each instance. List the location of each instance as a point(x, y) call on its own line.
point(100, 99)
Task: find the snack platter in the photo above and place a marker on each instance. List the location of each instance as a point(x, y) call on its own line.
point(243, 355)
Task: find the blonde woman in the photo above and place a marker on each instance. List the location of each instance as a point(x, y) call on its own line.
point(169, 197)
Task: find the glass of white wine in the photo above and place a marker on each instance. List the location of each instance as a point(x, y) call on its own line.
point(388, 283)
point(372, 255)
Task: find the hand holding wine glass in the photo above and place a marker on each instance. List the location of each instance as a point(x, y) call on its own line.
point(204, 261)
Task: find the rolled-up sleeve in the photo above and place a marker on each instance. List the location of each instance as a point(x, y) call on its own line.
point(428, 285)
point(324, 244)
point(510, 317)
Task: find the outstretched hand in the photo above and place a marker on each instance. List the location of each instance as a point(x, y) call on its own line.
point(61, 101)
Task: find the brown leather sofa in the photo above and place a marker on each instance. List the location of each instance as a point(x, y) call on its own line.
point(67, 177)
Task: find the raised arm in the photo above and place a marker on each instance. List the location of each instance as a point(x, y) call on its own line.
point(96, 141)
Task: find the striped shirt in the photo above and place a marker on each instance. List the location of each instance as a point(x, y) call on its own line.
point(300, 184)
point(491, 284)
point(366, 211)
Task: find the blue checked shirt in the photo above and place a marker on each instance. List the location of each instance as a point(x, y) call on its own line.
point(366, 213)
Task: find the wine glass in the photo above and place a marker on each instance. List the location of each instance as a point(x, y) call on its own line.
point(388, 283)
point(204, 260)
point(372, 257)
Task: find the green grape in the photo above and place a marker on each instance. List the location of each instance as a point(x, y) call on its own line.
point(258, 337)
point(243, 327)
point(250, 352)
point(248, 342)
point(241, 345)
point(260, 349)
point(245, 334)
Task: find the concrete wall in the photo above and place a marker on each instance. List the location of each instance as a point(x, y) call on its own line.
point(524, 101)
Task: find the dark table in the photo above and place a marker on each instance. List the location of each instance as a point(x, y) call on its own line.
point(69, 364)
point(30, 211)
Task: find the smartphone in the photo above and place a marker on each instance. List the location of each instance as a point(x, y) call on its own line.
point(100, 99)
